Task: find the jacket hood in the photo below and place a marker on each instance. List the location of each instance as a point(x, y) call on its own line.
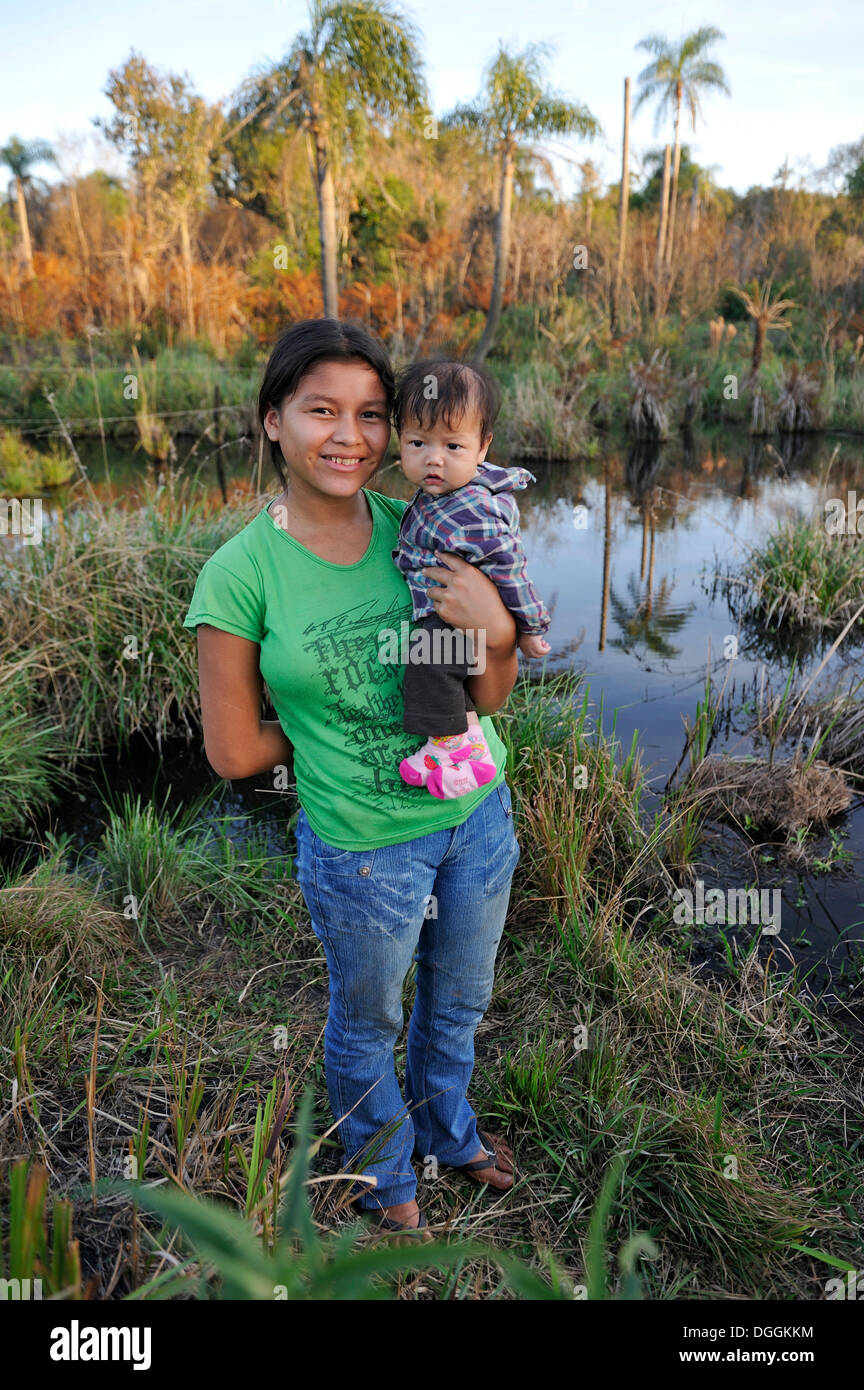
point(502, 479)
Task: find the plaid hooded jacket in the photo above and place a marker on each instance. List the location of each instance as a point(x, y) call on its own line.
point(480, 522)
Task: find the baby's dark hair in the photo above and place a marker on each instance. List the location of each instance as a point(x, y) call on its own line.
point(443, 388)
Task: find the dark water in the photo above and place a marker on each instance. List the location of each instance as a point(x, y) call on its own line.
point(625, 549)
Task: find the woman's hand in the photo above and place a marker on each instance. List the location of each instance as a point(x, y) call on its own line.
point(465, 597)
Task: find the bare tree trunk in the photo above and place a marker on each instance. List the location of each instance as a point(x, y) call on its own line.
point(82, 242)
point(661, 233)
point(502, 249)
point(24, 227)
point(607, 556)
point(758, 345)
point(664, 207)
point(677, 166)
point(400, 324)
point(517, 269)
point(694, 204)
point(326, 226)
point(466, 261)
point(127, 264)
point(186, 251)
point(623, 202)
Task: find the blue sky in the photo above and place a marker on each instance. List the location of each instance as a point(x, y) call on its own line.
point(794, 68)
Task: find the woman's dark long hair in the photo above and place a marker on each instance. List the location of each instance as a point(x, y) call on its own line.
point(300, 348)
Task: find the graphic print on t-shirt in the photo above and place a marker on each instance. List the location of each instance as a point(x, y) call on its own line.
point(346, 648)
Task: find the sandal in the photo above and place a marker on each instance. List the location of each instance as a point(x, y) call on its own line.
point(488, 1142)
point(418, 1232)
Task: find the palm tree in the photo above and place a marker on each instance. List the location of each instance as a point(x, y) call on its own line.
point(679, 73)
point(20, 158)
point(767, 316)
point(515, 106)
point(359, 59)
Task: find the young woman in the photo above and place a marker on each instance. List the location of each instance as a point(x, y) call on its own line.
point(302, 598)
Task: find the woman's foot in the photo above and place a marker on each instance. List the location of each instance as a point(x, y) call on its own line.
point(406, 1218)
point(407, 1213)
point(500, 1177)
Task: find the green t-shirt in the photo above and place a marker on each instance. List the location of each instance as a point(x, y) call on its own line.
point(318, 626)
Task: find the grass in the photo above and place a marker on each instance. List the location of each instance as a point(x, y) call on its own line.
point(802, 577)
point(676, 1136)
point(161, 1048)
point(24, 470)
point(31, 767)
point(758, 794)
point(544, 415)
point(835, 723)
point(177, 382)
point(92, 617)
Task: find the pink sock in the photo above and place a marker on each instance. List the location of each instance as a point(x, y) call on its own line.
point(417, 769)
point(454, 771)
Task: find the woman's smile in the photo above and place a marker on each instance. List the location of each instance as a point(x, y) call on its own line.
point(345, 464)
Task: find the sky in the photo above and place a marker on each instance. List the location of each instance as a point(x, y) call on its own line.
point(794, 69)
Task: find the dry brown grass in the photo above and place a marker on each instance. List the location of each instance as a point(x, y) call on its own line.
point(785, 794)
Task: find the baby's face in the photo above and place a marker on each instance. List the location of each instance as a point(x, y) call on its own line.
point(441, 459)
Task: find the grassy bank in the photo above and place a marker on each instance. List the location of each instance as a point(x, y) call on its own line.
point(178, 384)
point(92, 647)
point(560, 370)
point(178, 1014)
point(163, 1005)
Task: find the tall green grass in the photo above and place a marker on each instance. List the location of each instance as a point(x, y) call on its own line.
point(179, 383)
point(801, 577)
point(93, 616)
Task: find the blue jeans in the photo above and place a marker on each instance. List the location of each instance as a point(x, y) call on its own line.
point(440, 899)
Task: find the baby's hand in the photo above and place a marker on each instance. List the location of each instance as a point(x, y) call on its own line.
point(531, 645)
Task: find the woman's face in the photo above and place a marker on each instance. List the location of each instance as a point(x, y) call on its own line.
point(334, 430)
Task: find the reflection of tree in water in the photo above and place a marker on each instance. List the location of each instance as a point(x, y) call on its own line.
point(752, 466)
point(647, 618)
point(644, 461)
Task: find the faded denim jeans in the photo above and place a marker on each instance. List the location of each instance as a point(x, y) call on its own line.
point(440, 899)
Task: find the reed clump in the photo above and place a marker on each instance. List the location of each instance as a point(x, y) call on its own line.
point(93, 616)
point(770, 794)
point(25, 470)
point(544, 415)
point(797, 410)
point(803, 577)
point(836, 722)
point(651, 390)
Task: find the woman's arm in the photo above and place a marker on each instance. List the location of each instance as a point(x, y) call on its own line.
point(471, 600)
point(237, 741)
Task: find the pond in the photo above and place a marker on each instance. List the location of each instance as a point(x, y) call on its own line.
point(625, 548)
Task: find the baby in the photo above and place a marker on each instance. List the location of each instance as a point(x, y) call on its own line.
point(443, 413)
